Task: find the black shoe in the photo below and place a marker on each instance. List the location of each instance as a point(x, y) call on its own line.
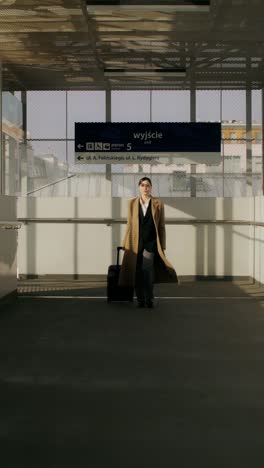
point(150, 305)
point(140, 304)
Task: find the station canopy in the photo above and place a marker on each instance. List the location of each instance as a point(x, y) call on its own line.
point(131, 44)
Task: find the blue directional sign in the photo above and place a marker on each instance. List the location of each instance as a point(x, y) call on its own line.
point(123, 142)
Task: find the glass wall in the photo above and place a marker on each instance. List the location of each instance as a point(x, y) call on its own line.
point(209, 178)
point(229, 108)
point(12, 136)
point(233, 176)
point(44, 165)
point(128, 106)
point(257, 143)
point(151, 106)
point(50, 141)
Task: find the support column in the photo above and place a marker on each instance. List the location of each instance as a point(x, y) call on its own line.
point(1, 136)
point(66, 130)
point(249, 187)
point(24, 116)
point(150, 105)
point(223, 143)
point(114, 208)
point(150, 119)
point(193, 119)
point(262, 125)
point(108, 118)
point(67, 145)
point(25, 188)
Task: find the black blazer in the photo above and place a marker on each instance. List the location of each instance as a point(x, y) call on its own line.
point(147, 231)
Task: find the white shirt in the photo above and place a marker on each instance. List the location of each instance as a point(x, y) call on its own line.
point(144, 205)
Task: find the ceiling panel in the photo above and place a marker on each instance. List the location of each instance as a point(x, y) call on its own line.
point(64, 44)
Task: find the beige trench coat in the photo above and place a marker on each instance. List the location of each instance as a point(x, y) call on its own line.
point(164, 271)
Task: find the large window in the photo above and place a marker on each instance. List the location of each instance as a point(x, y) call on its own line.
point(257, 146)
point(128, 106)
point(46, 164)
point(150, 106)
point(50, 140)
point(12, 135)
point(239, 173)
point(171, 106)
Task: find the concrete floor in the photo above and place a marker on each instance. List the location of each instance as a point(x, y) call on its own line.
point(88, 384)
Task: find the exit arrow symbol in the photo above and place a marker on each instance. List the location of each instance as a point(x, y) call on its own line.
point(79, 158)
point(80, 146)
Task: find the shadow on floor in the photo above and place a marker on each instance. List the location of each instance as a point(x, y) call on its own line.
point(84, 383)
point(79, 288)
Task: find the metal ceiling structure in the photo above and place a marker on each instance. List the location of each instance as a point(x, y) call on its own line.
point(68, 44)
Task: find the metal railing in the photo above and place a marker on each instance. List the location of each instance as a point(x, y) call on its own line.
point(110, 221)
point(50, 184)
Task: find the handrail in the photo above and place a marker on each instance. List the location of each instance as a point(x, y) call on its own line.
point(109, 221)
point(10, 225)
point(50, 184)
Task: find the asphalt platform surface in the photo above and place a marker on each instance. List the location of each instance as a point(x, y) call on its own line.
point(87, 384)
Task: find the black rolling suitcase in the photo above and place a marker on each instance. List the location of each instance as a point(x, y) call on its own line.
point(114, 291)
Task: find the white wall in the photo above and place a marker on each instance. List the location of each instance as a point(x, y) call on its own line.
point(259, 241)
point(8, 247)
point(90, 248)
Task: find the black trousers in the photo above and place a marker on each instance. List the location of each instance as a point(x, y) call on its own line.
point(144, 277)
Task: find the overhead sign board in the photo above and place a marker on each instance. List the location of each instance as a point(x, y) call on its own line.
point(147, 143)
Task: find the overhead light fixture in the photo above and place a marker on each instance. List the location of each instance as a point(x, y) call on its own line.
point(94, 6)
point(145, 72)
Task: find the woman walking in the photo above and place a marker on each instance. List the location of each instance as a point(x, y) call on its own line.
point(144, 261)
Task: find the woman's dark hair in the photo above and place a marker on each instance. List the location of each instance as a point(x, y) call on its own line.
point(145, 178)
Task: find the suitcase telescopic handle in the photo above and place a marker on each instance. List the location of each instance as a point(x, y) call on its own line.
point(118, 250)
